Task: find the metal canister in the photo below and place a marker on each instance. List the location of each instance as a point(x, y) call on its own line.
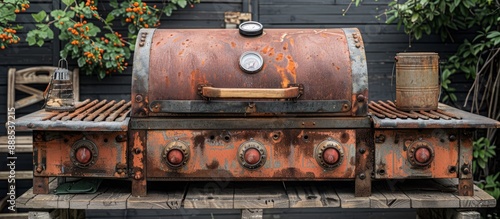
point(417, 81)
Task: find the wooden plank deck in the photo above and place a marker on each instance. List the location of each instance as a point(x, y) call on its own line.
point(114, 194)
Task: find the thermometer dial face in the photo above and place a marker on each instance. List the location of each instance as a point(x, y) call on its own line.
point(251, 28)
point(251, 62)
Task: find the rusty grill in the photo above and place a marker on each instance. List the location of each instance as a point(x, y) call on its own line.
point(388, 109)
point(254, 105)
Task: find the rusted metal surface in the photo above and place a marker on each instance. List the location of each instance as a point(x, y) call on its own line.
point(250, 123)
point(140, 76)
point(88, 116)
point(40, 185)
point(465, 177)
point(417, 81)
point(396, 152)
point(386, 116)
point(288, 154)
point(177, 74)
point(359, 71)
point(364, 162)
point(137, 151)
point(388, 109)
point(219, 108)
point(55, 154)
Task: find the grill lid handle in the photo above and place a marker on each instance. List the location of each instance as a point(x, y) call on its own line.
point(294, 91)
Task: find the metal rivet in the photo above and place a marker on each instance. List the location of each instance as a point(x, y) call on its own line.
point(362, 176)
point(361, 98)
point(141, 44)
point(452, 137)
point(138, 98)
point(362, 150)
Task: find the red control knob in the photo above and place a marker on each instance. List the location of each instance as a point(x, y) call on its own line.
point(331, 156)
point(175, 157)
point(83, 155)
point(422, 155)
point(252, 156)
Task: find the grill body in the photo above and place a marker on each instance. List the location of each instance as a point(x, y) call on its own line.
point(193, 100)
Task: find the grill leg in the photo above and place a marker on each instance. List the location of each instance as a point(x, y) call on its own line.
point(364, 164)
point(40, 185)
point(137, 150)
point(465, 184)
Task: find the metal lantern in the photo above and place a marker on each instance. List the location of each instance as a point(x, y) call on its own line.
point(60, 95)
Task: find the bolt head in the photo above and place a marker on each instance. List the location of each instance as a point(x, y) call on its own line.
point(362, 176)
point(362, 150)
point(138, 98)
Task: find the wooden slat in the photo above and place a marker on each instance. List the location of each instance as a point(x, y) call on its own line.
point(82, 201)
point(114, 194)
point(114, 198)
point(265, 195)
point(307, 195)
point(345, 191)
point(209, 195)
point(14, 215)
point(23, 174)
point(24, 201)
point(424, 194)
point(50, 201)
point(386, 195)
point(163, 197)
point(480, 199)
point(24, 144)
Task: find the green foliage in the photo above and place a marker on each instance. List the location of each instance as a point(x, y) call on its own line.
point(483, 151)
point(442, 17)
point(100, 51)
point(8, 14)
point(491, 185)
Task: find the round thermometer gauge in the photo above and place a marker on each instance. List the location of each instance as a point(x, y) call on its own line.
point(251, 62)
point(251, 28)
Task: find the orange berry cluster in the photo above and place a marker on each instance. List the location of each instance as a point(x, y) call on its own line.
point(22, 8)
point(8, 36)
point(91, 4)
point(78, 29)
point(135, 14)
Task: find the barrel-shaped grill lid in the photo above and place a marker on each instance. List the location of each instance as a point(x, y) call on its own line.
point(202, 72)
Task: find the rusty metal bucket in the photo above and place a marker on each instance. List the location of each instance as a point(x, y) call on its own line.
point(417, 81)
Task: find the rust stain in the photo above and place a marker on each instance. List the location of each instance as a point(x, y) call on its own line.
point(324, 35)
point(167, 81)
point(344, 137)
point(213, 165)
point(337, 67)
point(181, 52)
point(265, 50)
point(292, 172)
point(199, 141)
point(291, 67)
point(284, 79)
point(271, 52)
point(285, 46)
point(279, 57)
point(233, 44)
point(292, 42)
point(176, 39)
